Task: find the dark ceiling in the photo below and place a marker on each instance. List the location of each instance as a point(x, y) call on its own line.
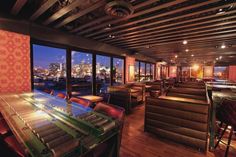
point(156, 28)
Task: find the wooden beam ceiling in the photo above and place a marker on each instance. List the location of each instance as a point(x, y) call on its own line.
point(156, 27)
point(80, 13)
point(18, 6)
point(42, 9)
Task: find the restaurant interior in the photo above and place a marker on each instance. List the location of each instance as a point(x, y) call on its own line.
point(118, 78)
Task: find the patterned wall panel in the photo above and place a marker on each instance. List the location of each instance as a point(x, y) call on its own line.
point(14, 62)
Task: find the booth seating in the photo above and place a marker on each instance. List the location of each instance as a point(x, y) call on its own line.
point(181, 120)
point(199, 94)
point(195, 85)
point(168, 83)
point(123, 97)
point(140, 95)
point(118, 114)
point(156, 88)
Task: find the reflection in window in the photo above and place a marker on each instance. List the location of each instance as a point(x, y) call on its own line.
point(221, 73)
point(81, 73)
point(49, 68)
point(136, 71)
point(118, 71)
point(102, 73)
point(142, 71)
point(148, 69)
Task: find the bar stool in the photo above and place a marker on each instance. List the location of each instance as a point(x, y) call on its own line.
point(14, 145)
point(80, 101)
point(51, 92)
point(4, 128)
point(61, 95)
point(115, 112)
point(226, 114)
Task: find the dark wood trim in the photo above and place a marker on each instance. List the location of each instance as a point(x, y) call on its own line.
point(111, 71)
point(124, 72)
point(94, 74)
point(68, 73)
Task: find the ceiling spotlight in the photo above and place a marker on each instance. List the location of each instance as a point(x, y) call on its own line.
point(176, 56)
point(186, 50)
point(192, 55)
point(217, 58)
point(220, 57)
point(223, 46)
point(185, 42)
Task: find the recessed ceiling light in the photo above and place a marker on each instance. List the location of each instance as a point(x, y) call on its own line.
point(176, 56)
point(186, 50)
point(217, 59)
point(185, 42)
point(223, 46)
point(220, 57)
point(192, 55)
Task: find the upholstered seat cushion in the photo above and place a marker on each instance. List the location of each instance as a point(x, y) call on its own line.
point(4, 129)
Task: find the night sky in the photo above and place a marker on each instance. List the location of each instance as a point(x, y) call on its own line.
point(44, 55)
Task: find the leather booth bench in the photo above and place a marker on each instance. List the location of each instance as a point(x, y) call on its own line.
point(192, 93)
point(181, 120)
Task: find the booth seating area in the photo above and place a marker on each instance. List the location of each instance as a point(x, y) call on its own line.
point(126, 96)
point(181, 120)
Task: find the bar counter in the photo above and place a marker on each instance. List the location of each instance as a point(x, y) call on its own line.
point(49, 126)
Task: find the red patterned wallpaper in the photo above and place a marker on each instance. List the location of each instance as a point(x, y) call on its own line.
point(14, 62)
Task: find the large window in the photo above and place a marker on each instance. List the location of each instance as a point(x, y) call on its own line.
point(144, 71)
point(136, 71)
point(103, 73)
point(148, 72)
point(118, 71)
point(81, 73)
point(85, 76)
point(49, 68)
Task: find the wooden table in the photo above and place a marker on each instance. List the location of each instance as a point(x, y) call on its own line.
point(92, 98)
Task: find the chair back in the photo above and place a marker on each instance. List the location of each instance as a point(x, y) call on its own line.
point(49, 91)
point(61, 95)
point(85, 103)
point(113, 111)
point(226, 113)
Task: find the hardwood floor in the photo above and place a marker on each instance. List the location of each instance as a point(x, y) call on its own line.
point(137, 143)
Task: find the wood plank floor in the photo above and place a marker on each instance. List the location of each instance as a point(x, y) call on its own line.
point(137, 143)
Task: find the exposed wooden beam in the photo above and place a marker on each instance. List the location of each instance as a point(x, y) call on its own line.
point(18, 6)
point(188, 22)
point(184, 32)
point(42, 9)
point(190, 39)
point(99, 20)
point(158, 24)
point(62, 12)
point(165, 5)
point(165, 14)
point(80, 13)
